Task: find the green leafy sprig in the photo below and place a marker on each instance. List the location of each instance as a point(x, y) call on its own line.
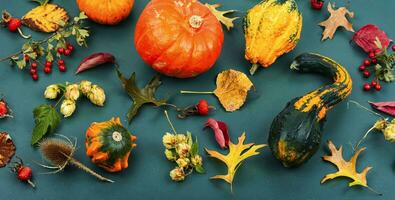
point(35, 49)
point(385, 64)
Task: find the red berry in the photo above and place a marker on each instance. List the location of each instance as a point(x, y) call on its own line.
point(3, 109)
point(48, 64)
point(366, 62)
point(378, 87)
point(366, 74)
point(33, 71)
point(62, 68)
point(372, 55)
point(374, 61)
point(367, 87)
point(70, 47)
point(373, 84)
point(47, 70)
point(35, 77)
point(393, 47)
point(60, 50)
point(14, 24)
point(60, 62)
point(67, 52)
point(362, 68)
point(202, 107)
point(34, 65)
point(317, 4)
point(24, 173)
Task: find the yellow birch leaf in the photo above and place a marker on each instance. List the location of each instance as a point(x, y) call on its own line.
point(345, 168)
point(237, 154)
point(232, 89)
point(228, 22)
point(337, 18)
point(45, 18)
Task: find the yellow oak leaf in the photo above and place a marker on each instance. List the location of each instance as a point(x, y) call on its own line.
point(345, 168)
point(228, 22)
point(237, 154)
point(46, 18)
point(232, 89)
point(337, 18)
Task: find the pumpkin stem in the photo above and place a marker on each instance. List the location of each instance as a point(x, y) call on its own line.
point(88, 170)
point(194, 92)
point(168, 120)
point(254, 68)
point(195, 21)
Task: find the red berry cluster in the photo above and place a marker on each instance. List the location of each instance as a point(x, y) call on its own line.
point(48, 64)
point(364, 68)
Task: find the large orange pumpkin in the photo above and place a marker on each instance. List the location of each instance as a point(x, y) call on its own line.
point(179, 38)
point(109, 12)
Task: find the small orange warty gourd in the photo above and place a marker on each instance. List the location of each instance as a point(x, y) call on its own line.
point(178, 38)
point(109, 144)
point(108, 12)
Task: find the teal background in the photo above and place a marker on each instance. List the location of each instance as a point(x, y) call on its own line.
point(261, 177)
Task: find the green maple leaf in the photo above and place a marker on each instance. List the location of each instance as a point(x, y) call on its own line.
point(140, 96)
point(46, 119)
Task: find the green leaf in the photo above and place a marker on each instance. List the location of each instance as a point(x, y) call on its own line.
point(140, 96)
point(200, 169)
point(46, 119)
point(194, 149)
point(20, 63)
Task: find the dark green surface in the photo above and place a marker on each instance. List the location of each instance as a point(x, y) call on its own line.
point(261, 177)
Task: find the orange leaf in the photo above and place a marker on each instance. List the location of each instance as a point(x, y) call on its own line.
point(346, 168)
point(337, 18)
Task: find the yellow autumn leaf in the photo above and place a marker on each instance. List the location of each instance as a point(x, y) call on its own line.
point(337, 18)
point(232, 89)
point(228, 22)
point(237, 154)
point(345, 168)
point(45, 18)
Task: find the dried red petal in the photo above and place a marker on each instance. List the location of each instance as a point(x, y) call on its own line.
point(220, 131)
point(385, 107)
point(366, 37)
point(4, 109)
point(95, 60)
point(7, 149)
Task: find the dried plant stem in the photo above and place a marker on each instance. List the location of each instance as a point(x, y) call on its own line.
point(31, 183)
point(195, 92)
point(88, 170)
point(363, 138)
point(168, 120)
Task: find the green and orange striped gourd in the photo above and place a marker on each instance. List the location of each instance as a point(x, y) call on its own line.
point(295, 133)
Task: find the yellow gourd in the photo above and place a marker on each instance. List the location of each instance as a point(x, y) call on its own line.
point(272, 28)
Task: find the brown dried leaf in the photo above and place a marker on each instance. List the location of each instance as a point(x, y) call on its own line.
point(228, 22)
point(337, 18)
point(46, 18)
point(346, 168)
point(7, 149)
point(232, 89)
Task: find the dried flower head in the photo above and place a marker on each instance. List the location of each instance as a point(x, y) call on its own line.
point(177, 174)
point(85, 87)
point(97, 95)
point(56, 151)
point(52, 91)
point(72, 92)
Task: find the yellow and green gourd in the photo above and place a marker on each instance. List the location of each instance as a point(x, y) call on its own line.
point(271, 28)
point(295, 133)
